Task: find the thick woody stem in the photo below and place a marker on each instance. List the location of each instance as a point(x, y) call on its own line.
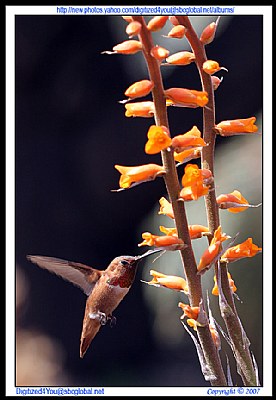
point(173, 188)
point(234, 327)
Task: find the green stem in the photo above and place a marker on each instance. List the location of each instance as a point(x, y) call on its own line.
point(173, 188)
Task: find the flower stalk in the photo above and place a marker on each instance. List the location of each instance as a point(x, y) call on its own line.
point(196, 182)
point(212, 360)
point(240, 344)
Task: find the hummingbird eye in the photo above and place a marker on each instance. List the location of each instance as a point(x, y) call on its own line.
point(124, 263)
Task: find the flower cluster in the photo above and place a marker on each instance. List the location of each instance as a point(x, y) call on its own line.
point(179, 148)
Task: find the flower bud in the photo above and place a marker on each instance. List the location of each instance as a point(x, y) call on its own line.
point(186, 97)
point(173, 20)
point(140, 109)
point(133, 28)
point(157, 23)
point(177, 32)
point(159, 53)
point(181, 58)
point(208, 33)
point(210, 67)
point(139, 89)
point(127, 47)
point(216, 81)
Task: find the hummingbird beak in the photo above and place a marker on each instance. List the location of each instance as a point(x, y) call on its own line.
point(148, 253)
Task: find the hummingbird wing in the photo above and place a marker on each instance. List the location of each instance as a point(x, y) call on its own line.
point(79, 274)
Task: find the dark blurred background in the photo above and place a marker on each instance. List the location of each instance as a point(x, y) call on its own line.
point(70, 131)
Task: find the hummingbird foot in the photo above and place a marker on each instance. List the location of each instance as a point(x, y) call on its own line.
point(112, 320)
point(100, 316)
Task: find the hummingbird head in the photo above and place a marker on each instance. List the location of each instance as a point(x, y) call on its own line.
point(125, 267)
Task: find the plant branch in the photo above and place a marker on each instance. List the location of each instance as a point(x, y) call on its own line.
point(173, 188)
point(229, 314)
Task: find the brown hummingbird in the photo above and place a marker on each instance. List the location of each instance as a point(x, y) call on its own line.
point(105, 288)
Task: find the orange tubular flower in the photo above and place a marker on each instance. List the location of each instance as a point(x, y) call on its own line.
point(188, 140)
point(232, 202)
point(156, 23)
point(193, 174)
point(168, 231)
point(158, 139)
point(197, 231)
point(237, 127)
point(194, 181)
point(210, 254)
point(131, 176)
point(166, 208)
point(219, 236)
point(193, 192)
point(186, 97)
point(177, 32)
point(170, 243)
point(133, 28)
point(215, 290)
point(160, 53)
point(210, 67)
point(169, 281)
point(140, 109)
point(139, 89)
point(242, 250)
point(187, 155)
point(181, 58)
point(190, 312)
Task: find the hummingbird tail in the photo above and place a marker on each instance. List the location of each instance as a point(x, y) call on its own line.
point(85, 343)
point(89, 332)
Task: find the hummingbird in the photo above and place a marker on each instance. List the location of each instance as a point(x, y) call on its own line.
point(104, 289)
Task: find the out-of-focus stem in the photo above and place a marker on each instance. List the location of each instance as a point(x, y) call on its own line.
point(173, 188)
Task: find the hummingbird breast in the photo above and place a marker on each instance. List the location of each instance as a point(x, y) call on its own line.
point(106, 296)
